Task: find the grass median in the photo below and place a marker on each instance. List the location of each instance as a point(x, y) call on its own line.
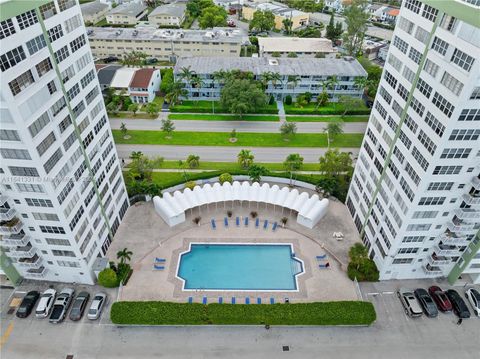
point(327, 118)
point(203, 106)
point(207, 165)
point(318, 313)
point(179, 138)
point(329, 109)
point(213, 117)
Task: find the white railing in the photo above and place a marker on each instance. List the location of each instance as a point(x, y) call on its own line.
point(34, 264)
point(7, 214)
point(22, 254)
point(476, 183)
point(15, 241)
point(467, 213)
point(470, 200)
point(445, 252)
point(438, 262)
point(6, 229)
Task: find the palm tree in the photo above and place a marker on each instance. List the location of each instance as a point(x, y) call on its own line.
point(135, 155)
point(176, 91)
point(124, 255)
point(193, 161)
point(265, 78)
point(275, 78)
point(187, 75)
point(245, 158)
point(293, 81)
point(197, 83)
point(332, 82)
point(333, 129)
point(220, 77)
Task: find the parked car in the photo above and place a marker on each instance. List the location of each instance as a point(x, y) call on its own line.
point(151, 61)
point(109, 59)
point(27, 304)
point(440, 298)
point(79, 305)
point(231, 23)
point(458, 304)
point(410, 304)
point(97, 305)
point(61, 305)
point(427, 303)
point(45, 304)
point(473, 297)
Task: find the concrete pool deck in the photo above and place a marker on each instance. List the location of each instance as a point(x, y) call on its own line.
point(147, 236)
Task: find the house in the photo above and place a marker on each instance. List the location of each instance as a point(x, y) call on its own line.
point(127, 14)
point(392, 15)
point(295, 75)
point(168, 15)
point(383, 53)
point(122, 79)
point(281, 12)
point(337, 5)
point(94, 11)
point(105, 74)
point(144, 84)
point(302, 47)
point(230, 4)
point(371, 48)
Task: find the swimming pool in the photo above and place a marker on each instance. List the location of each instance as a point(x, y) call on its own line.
point(242, 267)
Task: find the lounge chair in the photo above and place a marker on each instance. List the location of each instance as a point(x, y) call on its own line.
point(324, 266)
point(160, 260)
point(233, 300)
point(156, 267)
point(265, 224)
point(214, 225)
point(321, 257)
point(247, 300)
point(246, 221)
point(259, 300)
point(257, 222)
point(225, 221)
point(220, 300)
point(204, 300)
point(190, 300)
point(237, 221)
point(272, 300)
point(274, 227)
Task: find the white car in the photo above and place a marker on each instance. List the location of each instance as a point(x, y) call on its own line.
point(45, 303)
point(473, 297)
point(98, 302)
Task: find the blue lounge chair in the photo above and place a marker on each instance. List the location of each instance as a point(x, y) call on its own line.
point(257, 222)
point(204, 300)
point(237, 221)
point(214, 225)
point(265, 224)
point(324, 266)
point(190, 300)
point(225, 221)
point(321, 257)
point(259, 300)
point(246, 221)
point(160, 260)
point(233, 300)
point(220, 300)
point(247, 300)
point(274, 227)
point(272, 300)
point(158, 267)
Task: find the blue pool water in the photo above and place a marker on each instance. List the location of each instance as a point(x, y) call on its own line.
point(239, 267)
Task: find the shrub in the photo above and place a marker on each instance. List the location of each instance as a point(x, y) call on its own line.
point(360, 266)
point(288, 100)
point(108, 278)
point(197, 220)
point(225, 177)
point(123, 273)
point(229, 214)
point(284, 220)
point(190, 184)
point(271, 101)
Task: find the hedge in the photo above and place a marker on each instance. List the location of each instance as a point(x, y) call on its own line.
point(203, 106)
point(317, 313)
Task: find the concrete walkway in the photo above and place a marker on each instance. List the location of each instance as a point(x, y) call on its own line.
point(281, 111)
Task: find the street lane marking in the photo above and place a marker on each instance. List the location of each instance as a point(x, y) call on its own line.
point(6, 335)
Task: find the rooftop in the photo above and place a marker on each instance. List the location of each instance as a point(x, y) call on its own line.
point(295, 44)
point(106, 73)
point(123, 77)
point(175, 9)
point(151, 33)
point(277, 8)
point(394, 12)
point(284, 66)
point(131, 8)
point(91, 8)
point(141, 78)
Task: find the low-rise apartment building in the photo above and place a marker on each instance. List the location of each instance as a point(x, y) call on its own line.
point(281, 12)
point(127, 14)
point(168, 15)
point(296, 75)
point(302, 47)
point(94, 11)
point(166, 44)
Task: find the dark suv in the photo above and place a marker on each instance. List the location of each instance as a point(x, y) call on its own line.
point(27, 304)
point(428, 306)
point(459, 306)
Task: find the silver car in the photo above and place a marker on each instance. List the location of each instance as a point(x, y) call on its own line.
point(61, 305)
point(98, 302)
point(473, 297)
point(410, 304)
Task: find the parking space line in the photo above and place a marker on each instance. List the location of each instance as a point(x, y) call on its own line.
point(6, 335)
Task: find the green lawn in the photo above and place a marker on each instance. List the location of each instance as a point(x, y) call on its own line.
point(203, 106)
point(244, 139)
point(101, 23)
point(327, 118)
point(320, 313)
point(212, 117)
point(228, 166)
point(159, 101)
point(330, 109)
point(129, 115)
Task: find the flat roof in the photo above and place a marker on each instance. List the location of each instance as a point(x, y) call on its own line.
point(123, 77)
point(175, 9)
point(131, 8)
point(106, 73)
point(277, 8)
point(151, 33)
point(295, 44)
point(284, 66)
point(91, 8)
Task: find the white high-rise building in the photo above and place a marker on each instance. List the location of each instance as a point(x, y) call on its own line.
point(415, 193)
point(62, 191)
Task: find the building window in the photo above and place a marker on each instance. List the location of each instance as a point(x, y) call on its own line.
point(417, 106)
point(475, 94)
point(9, 135)
point(400, 44)
point(471, 114)
point(413, 5)
point(61, 54)
point(6, 28)
point(429, 13)
point(431, 68)
point(65, 4)
point(43, 67)
point(434, 124)
point(55, 33)
point(72, 23)
point(415, 55)
point(78, 43)
point(451, 83)
point(408, 74)
point(36, 44)
point(424, 88)
point(47, 10)
point(391, 80)
point(74, 91)
point(11, 58)
point(405, 25)
point(431, 201)
point(27, 19)
point(442, 104)
point(462, 59)
point(51, 87)
point(440, 46)
point(447, 170)
point(464, 135)
point(15, 154)
point(411, 124)
point(87, 78)
point(440, 186)
point(402, 91)
point(27, 187)
point(456, 153)
point(419, 158)
point(23, 171)
point(38, 202)
point(21, 82)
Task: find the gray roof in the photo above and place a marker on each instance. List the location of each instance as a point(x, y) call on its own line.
point(151, 33)
point(91, 8)
point(176, 9)
point(347, 66)
point(106, 74)
point(131, 8)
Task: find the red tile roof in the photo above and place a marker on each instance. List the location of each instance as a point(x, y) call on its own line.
point(394, 12)
point(142, 77)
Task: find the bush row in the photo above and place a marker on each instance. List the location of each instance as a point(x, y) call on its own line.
point(317, 313)
point(323, 111)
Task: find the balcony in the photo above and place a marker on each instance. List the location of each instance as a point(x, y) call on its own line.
point(431, 271)
point(467, 213)
point(13, 226)
point(460, 227)
point(446, 250)
point(36, 273)
point(3, 199)
point(471, 200)
point(22, 252)
point(15, 240)
point(475, 183)
point(33, 262)
point(7, 214)
point(437, 261)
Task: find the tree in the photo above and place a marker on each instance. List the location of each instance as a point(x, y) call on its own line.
point(288, 129)
point(193, 161)
point(333, 32)
point(360, 266)
point(152, 108)
point(287, 25)
point(322, 98)
point(288, 100)
point(335, 163)
point(108, 278)
point(262, 21)
point(292, 55)
point(225, 177)
point(326, 185)
point(141, 168)
point(292, 163)
point(255, 172)
point(123, 129)
point(242, 96)
point(112, 107)
point(167, 80)
point(349, 103)
point(245, 158)
point(176, 92)
point(133, 107)
point(212, 16)
point(332, 130)
point(293, 80)
point(135, 155)
point(187, 75)
point(356, 19)
point(124, 255)
point(167, 126)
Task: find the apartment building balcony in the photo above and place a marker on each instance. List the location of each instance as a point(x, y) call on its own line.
point(33, 262)
point(446, 250)
point(467, 213)
point(454, 239)
point(12, 226)
point(15, 240)
point(438, 261)
point(460, 226)
point(3, 199)
point(471, 200)
point(432, 271)
point(22, 252)
point(7, 214)
point(36, 273)
point(475, 183)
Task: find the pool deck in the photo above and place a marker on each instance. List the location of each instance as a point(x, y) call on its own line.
point(147, 236)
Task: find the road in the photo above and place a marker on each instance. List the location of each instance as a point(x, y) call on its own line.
point(239, 126)
point(226, 154)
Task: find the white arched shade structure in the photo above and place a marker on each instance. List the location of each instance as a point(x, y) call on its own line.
point(172, 207)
